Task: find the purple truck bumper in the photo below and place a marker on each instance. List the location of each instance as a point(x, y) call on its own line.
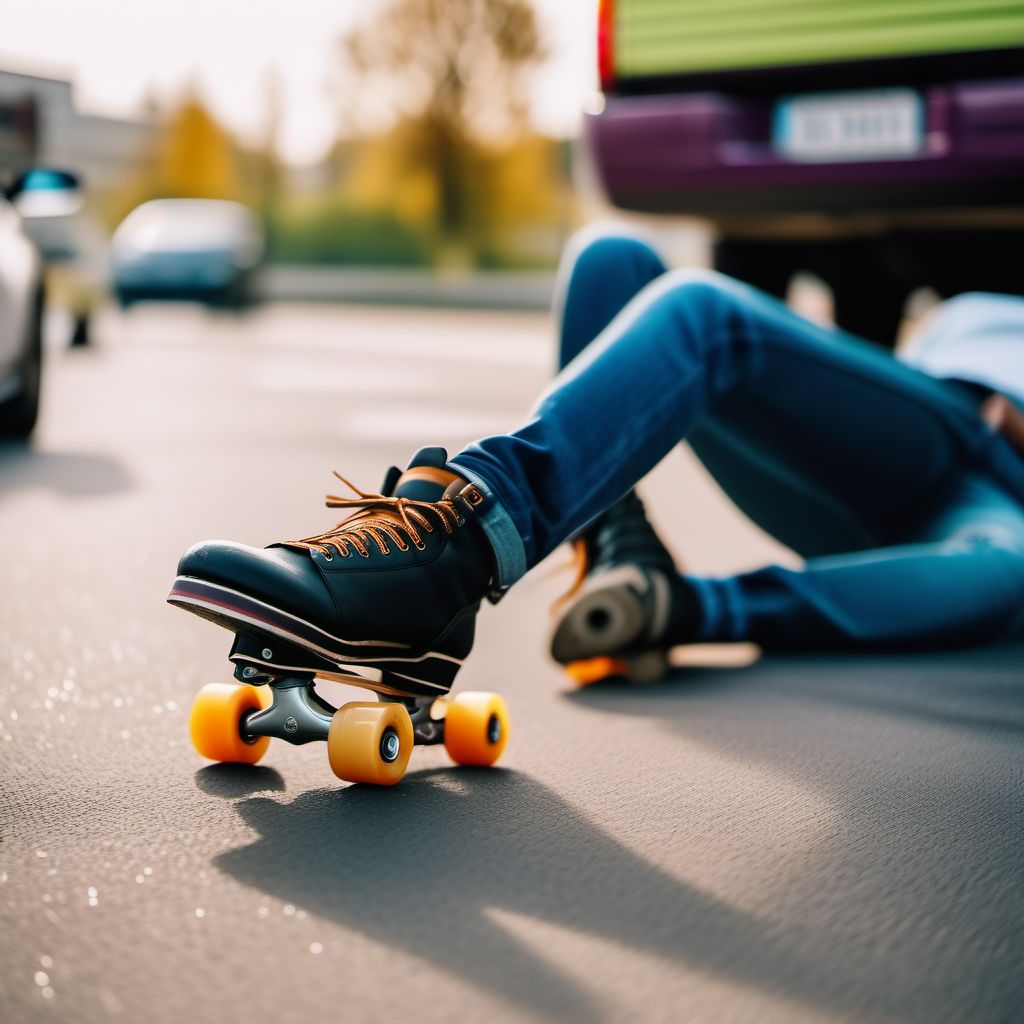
point(711, 154)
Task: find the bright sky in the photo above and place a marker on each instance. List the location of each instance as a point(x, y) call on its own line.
point(119, 51)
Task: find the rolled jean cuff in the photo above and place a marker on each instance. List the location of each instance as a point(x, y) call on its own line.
point(501, 532)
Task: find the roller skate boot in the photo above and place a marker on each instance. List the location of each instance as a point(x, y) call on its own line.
point(386, 600)
point(628, 605)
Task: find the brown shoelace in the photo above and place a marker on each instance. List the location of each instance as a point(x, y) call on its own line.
point(580, 566)
point(379, 518)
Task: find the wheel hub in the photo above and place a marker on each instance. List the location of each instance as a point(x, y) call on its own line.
point(390, 746)
point(493, 729)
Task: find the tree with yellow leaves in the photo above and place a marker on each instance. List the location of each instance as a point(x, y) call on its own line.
point(196, 156)
point(452, 78)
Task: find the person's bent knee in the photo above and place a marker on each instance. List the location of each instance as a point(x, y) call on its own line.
point(703, 298)
point(693, 282)
point(601, 249)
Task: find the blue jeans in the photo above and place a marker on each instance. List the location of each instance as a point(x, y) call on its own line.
point(906, 506)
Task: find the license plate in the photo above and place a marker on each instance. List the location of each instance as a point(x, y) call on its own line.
point(876, 124)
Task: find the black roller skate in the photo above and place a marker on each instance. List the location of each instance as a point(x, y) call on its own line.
point(386, 600)
point(628, 605)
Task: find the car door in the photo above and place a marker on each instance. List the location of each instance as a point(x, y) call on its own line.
point(18, 272)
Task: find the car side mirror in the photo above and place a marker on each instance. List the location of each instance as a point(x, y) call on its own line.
point(40, 179)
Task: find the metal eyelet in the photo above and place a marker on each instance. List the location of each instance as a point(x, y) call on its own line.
point(327, 557)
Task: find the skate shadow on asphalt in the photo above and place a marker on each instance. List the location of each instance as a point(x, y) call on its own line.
point(423, 867)
point(232, 781)
point(916, 761)
point(69, 474)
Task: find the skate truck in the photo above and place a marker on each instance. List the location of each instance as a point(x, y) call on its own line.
point(879, 144)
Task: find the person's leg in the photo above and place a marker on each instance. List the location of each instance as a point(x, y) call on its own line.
point(868, 440)
point(958, 579)
point(853, 445)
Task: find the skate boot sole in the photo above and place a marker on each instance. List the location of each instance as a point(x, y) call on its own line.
point(403, 670)
point(642, 667)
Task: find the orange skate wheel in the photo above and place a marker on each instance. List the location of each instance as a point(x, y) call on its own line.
point(215, 722)
point(370, 742)
point(476, 728)
point(593, 670)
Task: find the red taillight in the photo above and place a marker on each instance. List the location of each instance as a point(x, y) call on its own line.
point(606, 43)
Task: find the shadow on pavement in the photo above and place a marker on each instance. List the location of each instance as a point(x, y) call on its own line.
point(236, 780)
point(69, 474)
point(978, 689)
point(419, 867)
point(972, 687)
point(913, 879)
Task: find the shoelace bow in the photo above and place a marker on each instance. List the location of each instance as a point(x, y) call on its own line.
point(395, 517)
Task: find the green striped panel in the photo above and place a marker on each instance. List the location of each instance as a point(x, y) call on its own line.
point(655, 37)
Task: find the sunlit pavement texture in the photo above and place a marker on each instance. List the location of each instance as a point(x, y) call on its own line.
point(818, 839)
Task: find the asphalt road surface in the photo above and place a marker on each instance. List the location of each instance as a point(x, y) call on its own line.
point(797, 839)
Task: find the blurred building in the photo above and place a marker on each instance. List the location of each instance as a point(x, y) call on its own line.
point(40, 125)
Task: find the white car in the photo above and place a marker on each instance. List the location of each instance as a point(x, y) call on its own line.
point(56, 215)
point(21, 326)
point(198, 249)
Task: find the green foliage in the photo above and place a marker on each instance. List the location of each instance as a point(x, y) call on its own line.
point(330, 232)
point(498, 257)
